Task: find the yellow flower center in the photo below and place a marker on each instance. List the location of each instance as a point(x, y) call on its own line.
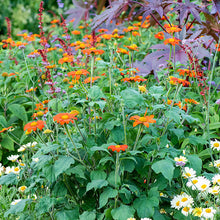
point(23, 188)
point(117, 146)
point(203, 186)
point(208, 210)
point(184, 199)
point(216, 144)
point(188, 174)
point(186, 209)
point(16, 169)
point(64, 117)
point(195, 181)
point(178, 203)
point(142, 119)
point(34, 123)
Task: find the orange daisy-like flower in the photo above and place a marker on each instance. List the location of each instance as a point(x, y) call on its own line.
point(132, 47)
point(145, 120)
point(191, 101)
point(171, 28)
point(135, 33)
point(159, 35)
point(5, 129)
point(76, 32)
point(34, 125)
point(87, 80)
point(66, 59)
point(65, 118)
point(118, 148)
point(107, 36)
point(172, 41)
point(135, 79)
point(55, 21)
point(77, 74)
point(93, 50)
point(183, 72)
point(122, 50)
point(175, 81)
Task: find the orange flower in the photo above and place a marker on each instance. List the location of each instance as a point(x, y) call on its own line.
point(135, 79)
point(87, 80)
point(135, 33)
point(31, 89)
point(187, 72)
point(122, 50)
point(191, 101)
point(5, 129)
point(93, 50)
point(32, 126)
point(179, 104)
point(171, 28)
point(175, 81)
point(118, 148)
point(102, 30)
point(55, 21)
point(145, 120)
point(77, 74)
point(132, 47)
point(76, 32)
point(66, 59)
point(172, 41)
point(65, 118)
point(107, 36)
point(159, 35)
point(39, 106)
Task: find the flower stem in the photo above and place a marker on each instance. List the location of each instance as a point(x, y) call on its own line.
point(138, 135)
point(117, 165)
point(92, 68)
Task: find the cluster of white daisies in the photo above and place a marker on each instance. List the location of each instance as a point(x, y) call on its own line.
point(206, 189)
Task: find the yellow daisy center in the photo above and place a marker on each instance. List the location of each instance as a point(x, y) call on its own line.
point(16, 169)
point(117, 146)
point(195, 181)
point(184, 199)
point(142, 119)
point(203, 186)
point(64, 117)
point(216, 144)
point(208, 210)
point(34, 123)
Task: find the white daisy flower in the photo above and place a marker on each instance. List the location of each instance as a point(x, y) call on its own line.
point(180, 161)
point(189, 172)
point(192, 183)
point(216, 179)
point(21, 149)
point(214, 190)
point(145, 218)
point(13, 158)
point(186, 211)
point(215, 145)
point(131, 219)
point(16, 201)
point(175, 202)
point(16, 170)
point(217, 163)
point(203, 184)
point(9, 170)
point(186, 200)
point(208, 212)
point(22, 188)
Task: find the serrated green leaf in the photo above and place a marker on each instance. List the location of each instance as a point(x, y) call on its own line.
point(95, 93)
point(67, 214)
point(87, 216)
point(7, 143)
point(10, 178)
point(98, 175)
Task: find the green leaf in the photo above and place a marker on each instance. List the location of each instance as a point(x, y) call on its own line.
point(62, 164)
point(123, 212)
point(117, 134)
point(96, 184)
point(132, 98)
point(3, 121)
point(195, 163)
point(67, 214)
point(144, 207)
point(98, 175)
point(78, 170)
point(19, 111)
point(95, 93)
point(107, 193)
point(165, 167)
point(49, 173)
point(215, 125)
point(7, 143)
point(178, 132)
point(156, 91)
point(197, 140)
point(10, 178)
point(87, 216)
point(174, 114)
point(45, 204)
point(19, 207)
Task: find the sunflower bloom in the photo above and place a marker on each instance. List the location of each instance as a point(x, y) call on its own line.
point(64, 118)
point(118, 148)
point(34, 125)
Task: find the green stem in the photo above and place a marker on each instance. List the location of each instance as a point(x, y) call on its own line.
point(76, 123)
point(138, 135)
point(124, 125)
point(92, 68)
point(117, 165)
